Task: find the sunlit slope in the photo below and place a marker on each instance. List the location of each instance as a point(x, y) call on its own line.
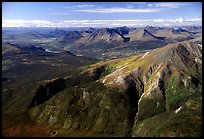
point(166, 80)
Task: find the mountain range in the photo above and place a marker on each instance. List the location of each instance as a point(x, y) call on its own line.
point(104, 43)
point(122, 39)
point(49, 90)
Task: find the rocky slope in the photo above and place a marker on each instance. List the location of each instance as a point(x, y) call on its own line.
point(150, 94)
point(152, 73)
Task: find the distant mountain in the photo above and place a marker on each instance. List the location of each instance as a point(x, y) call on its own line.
point(125, 37)
point(146, 32)
point(120, 33)
point(69, 37)
point(121, 41)
point(10, 49)
point(58, 32)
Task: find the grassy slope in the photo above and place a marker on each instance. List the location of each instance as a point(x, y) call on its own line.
point(99, 114)
point(183, 122)
point(174, 98)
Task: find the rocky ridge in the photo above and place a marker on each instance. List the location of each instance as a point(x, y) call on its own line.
point(128, 92)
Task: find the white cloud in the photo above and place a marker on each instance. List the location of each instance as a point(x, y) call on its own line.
point(158, 20)
point(101, 23)
point(81, 6)
point(194, 20)
point(84, 5)
point(59, 13)
point(25, 23)
point(180, 20)
point(118, 10)
point(177, 20)
point(166, 5)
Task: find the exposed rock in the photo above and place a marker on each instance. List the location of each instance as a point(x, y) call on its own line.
point(158, 84)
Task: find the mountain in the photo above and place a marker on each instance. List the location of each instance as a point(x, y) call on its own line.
point(21, 64)
point(105, 34)
point(50, 89)
point(102, 43)
point(151, 76)
point(123, 39)
point(135, 34)
point(146, 32)
point(165, 82)
point(58, 33)
point(157, 93)
point(70, 37)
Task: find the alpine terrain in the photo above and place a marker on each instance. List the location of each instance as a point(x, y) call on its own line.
point(154, 93)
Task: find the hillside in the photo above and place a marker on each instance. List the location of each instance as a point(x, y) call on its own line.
point(24, 67)
point(157, 93)
point(150, 92)
point(166, 80)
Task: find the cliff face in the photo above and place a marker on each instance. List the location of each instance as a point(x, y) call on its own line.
point(150, 94)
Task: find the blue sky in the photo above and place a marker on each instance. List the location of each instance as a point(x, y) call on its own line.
point(100, 14)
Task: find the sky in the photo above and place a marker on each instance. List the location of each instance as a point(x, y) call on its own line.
point(100, 14)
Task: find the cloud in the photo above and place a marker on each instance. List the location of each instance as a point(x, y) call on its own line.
point(180, 20)
point(25, 23)
point(102, 23)
point(81, 6)
point(194, 20)
point(128, 7)
point(59, 13)
point(84, 5)
point(118, 10)
point(166, 5)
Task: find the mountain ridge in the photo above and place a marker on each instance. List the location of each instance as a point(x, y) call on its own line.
point(154, 93)
point(143, 81)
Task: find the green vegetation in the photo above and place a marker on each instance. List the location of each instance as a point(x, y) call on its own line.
point(6, 64)
point(170, 89)
point(177, 94)
point(109, 69)
point(88, 106)
point(181, 118)
point(156, 106)
point(186, 122)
